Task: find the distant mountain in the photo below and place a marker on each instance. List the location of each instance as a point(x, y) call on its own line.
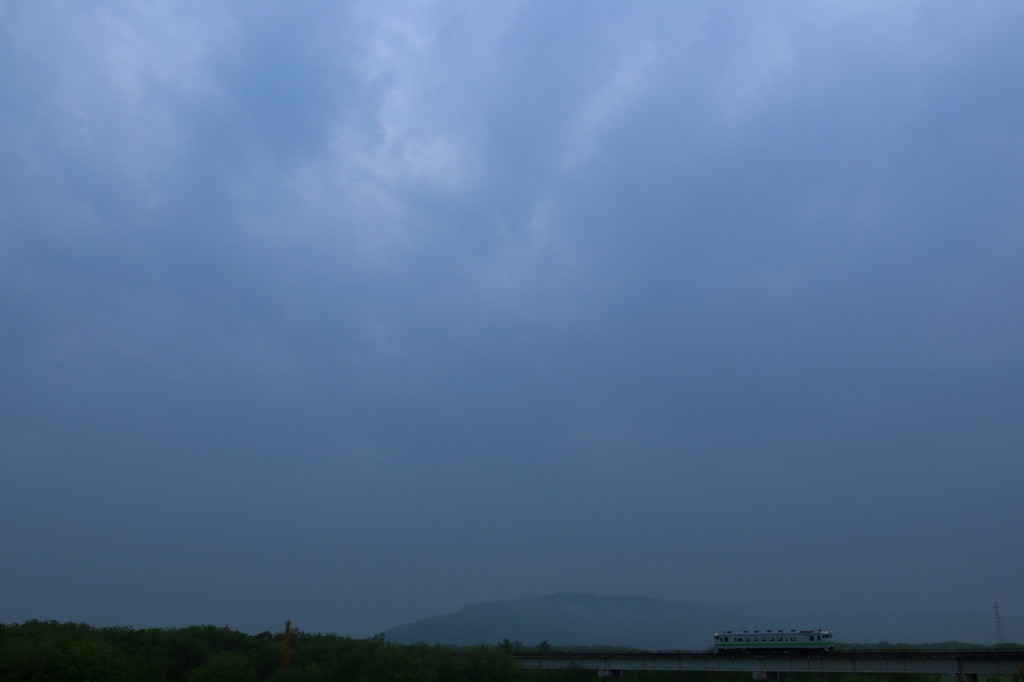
point(570, 619)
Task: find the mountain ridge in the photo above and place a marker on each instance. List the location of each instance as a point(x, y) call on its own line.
point(638, 621)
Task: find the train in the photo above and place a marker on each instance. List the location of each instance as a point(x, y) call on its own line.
point(779, 641)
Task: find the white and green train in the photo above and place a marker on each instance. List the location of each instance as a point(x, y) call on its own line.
point(749, 641)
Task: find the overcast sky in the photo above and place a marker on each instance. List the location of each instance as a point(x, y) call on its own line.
point(356, 313)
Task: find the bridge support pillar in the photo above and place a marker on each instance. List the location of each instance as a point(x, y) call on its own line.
point(769, 676)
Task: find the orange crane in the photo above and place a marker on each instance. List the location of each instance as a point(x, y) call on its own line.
point(286, 653)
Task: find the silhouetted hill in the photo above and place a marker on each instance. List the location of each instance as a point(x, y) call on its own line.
point(569, 619)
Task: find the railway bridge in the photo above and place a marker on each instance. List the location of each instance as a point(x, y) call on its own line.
point(959, 665)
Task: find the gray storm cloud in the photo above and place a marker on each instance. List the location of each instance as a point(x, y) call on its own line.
point(359, 314)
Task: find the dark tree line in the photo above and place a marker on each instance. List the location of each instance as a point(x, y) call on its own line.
point(49, 651)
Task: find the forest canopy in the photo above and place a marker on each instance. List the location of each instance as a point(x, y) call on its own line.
point(75, 652)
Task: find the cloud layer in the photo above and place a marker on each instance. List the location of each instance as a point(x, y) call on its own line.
point(355, 314)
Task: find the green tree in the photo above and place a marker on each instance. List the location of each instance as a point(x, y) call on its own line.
point(491, 664)
point(57, 656)
point(308, 673)
point(225, 666)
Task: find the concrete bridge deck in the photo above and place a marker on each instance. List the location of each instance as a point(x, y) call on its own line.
point(963, 664)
